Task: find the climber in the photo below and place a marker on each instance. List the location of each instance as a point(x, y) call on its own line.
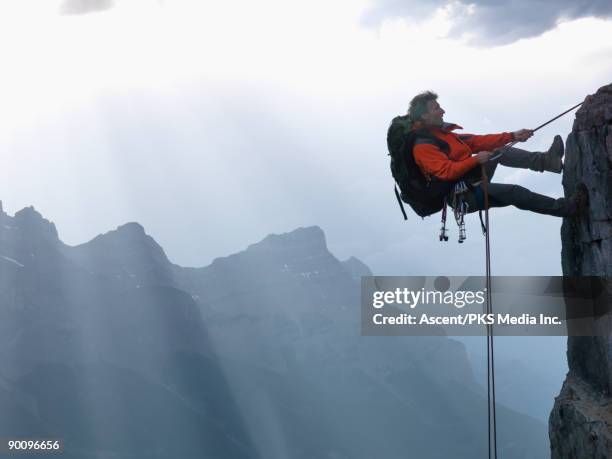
point(464, 152)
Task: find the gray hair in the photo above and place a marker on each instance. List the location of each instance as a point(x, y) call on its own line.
point(418, 105)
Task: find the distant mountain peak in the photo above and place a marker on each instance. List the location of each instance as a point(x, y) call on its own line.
point(30, 221)
point(131, 228)
point(128, 235)
point(356, 268)
point(128, 232)
point(28, 212)
point(302, 245)
point(310, 237)
point(125, 252)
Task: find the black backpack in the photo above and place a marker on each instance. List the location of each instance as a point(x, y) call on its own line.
point(425, 197)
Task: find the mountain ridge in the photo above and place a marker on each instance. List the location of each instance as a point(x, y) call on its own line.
point(267, 336)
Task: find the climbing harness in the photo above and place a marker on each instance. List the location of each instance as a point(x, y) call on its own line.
point(443, 230)
point(460, 208)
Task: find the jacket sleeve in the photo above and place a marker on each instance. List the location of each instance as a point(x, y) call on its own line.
point(433, 161)
point(485, 142)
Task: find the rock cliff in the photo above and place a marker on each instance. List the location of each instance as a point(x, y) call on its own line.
point(580, 424)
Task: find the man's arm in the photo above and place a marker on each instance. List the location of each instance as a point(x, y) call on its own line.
point(492, 141)
point(434, 162)
point(486, 142)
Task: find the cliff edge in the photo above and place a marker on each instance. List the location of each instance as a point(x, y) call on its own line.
point(580, 424)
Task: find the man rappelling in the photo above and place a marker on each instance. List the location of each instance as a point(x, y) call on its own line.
point(432, 165)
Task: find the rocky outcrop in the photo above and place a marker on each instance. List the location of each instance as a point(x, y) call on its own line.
point(580, 424)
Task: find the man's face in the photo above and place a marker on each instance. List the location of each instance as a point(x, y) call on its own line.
point(434, 115)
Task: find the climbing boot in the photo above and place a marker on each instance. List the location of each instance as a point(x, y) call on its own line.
point(578, 203)
point(552, 158)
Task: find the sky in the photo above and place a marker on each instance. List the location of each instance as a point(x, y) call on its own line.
point(216, 123)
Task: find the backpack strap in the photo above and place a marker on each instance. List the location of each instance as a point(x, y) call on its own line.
point(424, 141)
point(399, 201)
point(424, 137)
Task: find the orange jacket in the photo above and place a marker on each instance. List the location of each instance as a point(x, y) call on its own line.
point(434, 162)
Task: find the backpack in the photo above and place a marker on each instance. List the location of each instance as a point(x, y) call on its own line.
point(425, 197)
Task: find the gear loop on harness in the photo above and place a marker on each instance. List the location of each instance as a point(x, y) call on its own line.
point(443, 230)
point(460, 207)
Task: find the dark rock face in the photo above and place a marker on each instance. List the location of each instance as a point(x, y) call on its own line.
point(580, 424)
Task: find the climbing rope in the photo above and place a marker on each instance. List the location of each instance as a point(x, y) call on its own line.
point(491, 414)
point(539, 127)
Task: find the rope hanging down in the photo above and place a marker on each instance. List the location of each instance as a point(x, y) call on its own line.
point(491, 414)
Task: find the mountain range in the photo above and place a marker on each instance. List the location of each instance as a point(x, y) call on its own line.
point(113, 348)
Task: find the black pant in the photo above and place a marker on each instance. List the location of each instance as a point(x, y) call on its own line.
point(502, 194)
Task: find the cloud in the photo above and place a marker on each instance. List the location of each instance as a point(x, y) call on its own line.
point(490, 22)
point(85, 6)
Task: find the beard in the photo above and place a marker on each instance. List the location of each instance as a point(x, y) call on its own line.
point(435, 123)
